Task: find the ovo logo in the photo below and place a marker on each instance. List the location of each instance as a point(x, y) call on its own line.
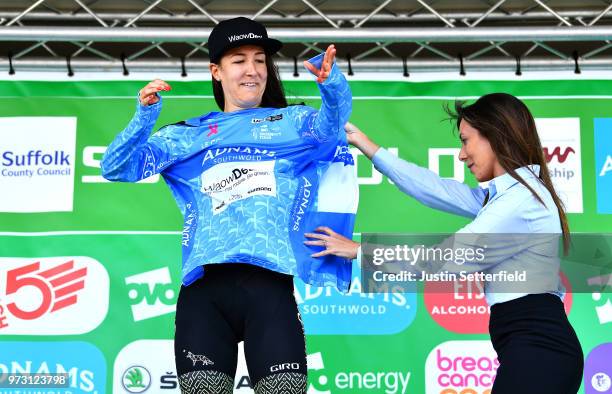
point(151, 294)
point(52, 296)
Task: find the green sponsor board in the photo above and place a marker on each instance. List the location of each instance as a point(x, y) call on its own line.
point(142, 268)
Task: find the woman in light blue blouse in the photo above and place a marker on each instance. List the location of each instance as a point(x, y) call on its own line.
point(537, 348)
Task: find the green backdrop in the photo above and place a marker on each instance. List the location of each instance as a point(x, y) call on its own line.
point(131, 229)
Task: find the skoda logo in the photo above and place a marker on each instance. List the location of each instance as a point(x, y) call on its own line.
point(136, 379)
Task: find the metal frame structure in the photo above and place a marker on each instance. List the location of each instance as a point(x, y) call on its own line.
point(373, 35)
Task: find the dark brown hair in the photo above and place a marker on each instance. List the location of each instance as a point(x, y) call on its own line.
point(273, 96)
point(507, 124)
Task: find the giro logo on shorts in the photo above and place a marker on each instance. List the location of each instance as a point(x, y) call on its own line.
point(598, 370)
point(52, 296)
point(83, 362)
point(284, 367)
point(151, 294)
point(37, 159)
point(456, 367)
point(136, 379)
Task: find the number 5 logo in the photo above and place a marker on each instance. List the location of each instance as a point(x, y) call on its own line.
point(56, 285)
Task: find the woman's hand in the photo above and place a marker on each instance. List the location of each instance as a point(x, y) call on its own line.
point(333, 243)
point(148, 94)
point(326, 64)
point(359, 140)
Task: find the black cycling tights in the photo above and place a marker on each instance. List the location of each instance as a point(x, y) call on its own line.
point(239, 302)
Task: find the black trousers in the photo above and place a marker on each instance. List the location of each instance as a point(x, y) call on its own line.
point(236, 302)
point(537, 347)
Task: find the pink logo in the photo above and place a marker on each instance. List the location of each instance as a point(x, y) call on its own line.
point(214, 129)
point(461, 367)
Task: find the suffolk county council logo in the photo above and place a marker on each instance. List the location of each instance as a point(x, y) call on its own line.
point(136, 379)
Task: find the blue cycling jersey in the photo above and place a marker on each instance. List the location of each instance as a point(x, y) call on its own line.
point(249, 183)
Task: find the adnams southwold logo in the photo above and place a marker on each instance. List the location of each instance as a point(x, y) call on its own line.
point(152, 293)
point(37, 159)
point(326, 311)
point(83, 362)
point(456, 367)
point(65, 295)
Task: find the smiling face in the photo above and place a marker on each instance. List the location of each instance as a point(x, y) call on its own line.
point(243, 75)
point(477, 154)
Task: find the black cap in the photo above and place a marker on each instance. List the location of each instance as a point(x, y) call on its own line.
point(232, 33)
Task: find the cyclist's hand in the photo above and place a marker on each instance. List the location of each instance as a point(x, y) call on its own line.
point(148, 94)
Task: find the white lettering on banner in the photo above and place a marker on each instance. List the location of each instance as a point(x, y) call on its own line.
point(434, 155)
point(392, 382)
point(227, 183)
point(607, 166)
point(151, 294)
point(90, 161)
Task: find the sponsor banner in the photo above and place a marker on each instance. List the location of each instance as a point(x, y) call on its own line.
point(151, 294)
point(326, 311)
point(226, 183)
point(598, 370)
point(83, 362)
point(149, 366)
point(345, 379)
point(560, 139)
point(37, 163)
point(455, 367)
point(461, 307)
point(64, 295)
point(603, 164)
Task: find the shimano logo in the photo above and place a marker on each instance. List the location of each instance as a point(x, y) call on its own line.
point(242, 37)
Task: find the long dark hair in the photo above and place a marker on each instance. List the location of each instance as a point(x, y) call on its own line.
point(507, 124)
point(274, 94)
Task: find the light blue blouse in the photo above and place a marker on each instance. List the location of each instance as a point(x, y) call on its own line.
point(510, 209)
